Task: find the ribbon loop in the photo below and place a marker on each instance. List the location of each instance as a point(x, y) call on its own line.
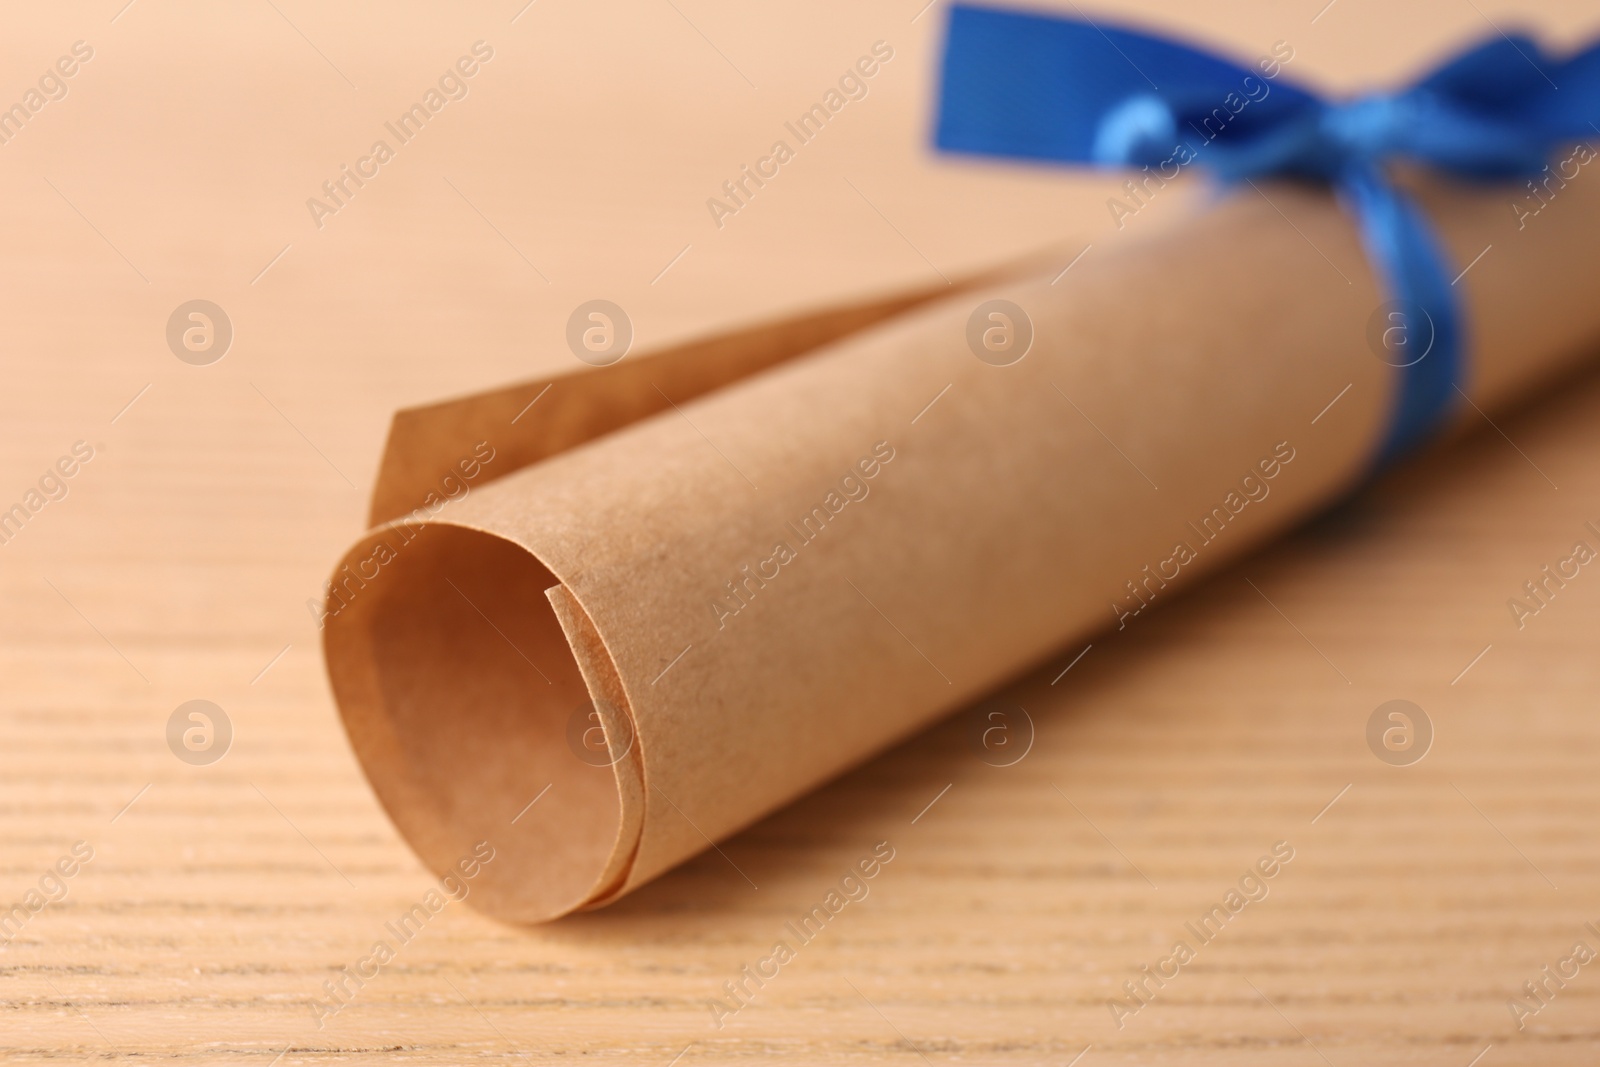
point(1133, 130)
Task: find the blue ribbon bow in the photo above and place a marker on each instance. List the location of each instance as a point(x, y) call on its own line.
point(1042, 87)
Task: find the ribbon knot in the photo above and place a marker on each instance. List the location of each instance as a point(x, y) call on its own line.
point(1368, 128)
point(1042, 87)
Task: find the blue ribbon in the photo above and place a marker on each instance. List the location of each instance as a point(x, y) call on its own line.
point(1042, 87)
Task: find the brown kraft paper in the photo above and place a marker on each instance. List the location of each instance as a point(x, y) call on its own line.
point(759, 559)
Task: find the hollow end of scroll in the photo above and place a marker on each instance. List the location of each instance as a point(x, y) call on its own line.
point(458, 690)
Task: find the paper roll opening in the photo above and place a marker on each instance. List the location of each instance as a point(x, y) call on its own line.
point(460, 691)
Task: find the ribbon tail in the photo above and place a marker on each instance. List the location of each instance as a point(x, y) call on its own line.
point(1422, 331)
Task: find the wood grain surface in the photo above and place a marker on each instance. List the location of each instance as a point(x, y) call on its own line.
point(1166, 759)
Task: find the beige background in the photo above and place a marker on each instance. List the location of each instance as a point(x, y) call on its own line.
point(178, 167)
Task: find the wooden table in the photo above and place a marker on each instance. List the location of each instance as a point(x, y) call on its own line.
point(1167, 760)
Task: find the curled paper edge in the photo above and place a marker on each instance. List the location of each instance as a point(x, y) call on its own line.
point(425, 442)
point(420, 463)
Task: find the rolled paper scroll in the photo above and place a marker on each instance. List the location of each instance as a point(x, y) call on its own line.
point(612, 617)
